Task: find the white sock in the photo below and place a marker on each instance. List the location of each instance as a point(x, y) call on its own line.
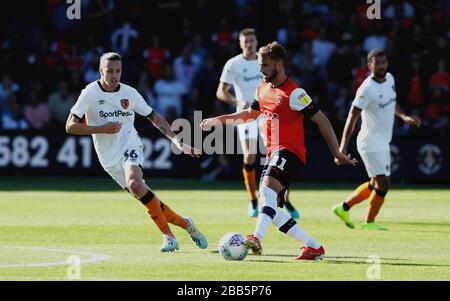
point(300, 235)
point(295, 231)
point(268, 198)
point(281, 218)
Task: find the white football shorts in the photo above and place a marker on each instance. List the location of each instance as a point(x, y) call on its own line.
point(133, 156)
point(250, 130)
point(377, 163)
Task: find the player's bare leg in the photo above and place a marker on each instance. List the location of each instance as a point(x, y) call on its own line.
point(249, 173)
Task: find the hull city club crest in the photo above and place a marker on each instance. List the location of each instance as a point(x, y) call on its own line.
point(124, 103)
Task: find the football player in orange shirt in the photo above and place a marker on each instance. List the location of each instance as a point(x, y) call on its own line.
point(283, 105)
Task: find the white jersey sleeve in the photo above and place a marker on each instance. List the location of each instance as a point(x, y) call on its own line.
point(228, 73)
point(299, 99)
point(82, 105)
point(256, 97)
point(390, 77)
point(142, 108)
point(362, 97)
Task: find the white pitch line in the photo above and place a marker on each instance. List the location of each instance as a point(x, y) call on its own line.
point(94, 257)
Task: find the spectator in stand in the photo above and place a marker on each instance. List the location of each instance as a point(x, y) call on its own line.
point(359, 73)
point(156, 57)
point(199, 52)
point(59, 103)
point(342, 106)
point(73, 60)
point(304, 67)
point(7, 88)
point(415, 95)
point(169, 92)
point(145, 90)
point(224, 36)
point(321, 49)
point(90, 73)
point(377, 40)
point(441, 78)
point(206, 83)
point(340, 65)
point(12, 116)
point(37, 112)
point(185, 68)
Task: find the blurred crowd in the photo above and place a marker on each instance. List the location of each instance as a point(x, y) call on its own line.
point(174, 51)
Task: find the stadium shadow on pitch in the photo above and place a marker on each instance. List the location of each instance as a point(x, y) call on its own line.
point(438, 224)
point(408, 264)
point(336, 260)
point(105, 183)
point(101, 184)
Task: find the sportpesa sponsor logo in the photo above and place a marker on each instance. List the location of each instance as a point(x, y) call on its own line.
point(250, 78)
point(116, 113)
point(383, 105)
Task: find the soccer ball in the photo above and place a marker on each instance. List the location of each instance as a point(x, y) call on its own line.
point(231, 246)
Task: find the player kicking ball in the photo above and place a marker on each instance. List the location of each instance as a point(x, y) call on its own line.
point(375, 102)
point(242, 74)
point(109, 108)
point(283, 106)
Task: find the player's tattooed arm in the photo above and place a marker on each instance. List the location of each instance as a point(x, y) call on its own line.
point(163, 126)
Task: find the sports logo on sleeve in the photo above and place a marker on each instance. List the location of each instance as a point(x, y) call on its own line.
point(298, 100)
point(304, 99)
point(125, 103)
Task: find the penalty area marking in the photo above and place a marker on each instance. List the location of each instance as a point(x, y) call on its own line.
point(93, 257)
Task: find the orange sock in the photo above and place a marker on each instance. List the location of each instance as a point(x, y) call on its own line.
point(360, 194)
point(250, 181)
point(157, 215)
point(375, 203)
point(174, 218)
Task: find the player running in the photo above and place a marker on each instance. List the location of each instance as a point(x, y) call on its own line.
point(110, 107)
point(375, 102)
point(242, 74)
point(284, 106)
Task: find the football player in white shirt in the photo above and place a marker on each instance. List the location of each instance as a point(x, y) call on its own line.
point(109, 108)
point(375, 102)
point(242, 73)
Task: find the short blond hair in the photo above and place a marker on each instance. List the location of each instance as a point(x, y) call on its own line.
point(247, 31)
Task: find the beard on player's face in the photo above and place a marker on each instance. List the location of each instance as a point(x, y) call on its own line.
point(270, 76)
point(380, 73)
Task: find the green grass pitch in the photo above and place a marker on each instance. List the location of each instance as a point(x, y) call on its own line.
point(43, 221)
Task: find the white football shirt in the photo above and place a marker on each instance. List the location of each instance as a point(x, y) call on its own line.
point(101, 107)
point(377, 102)
point(244, 75)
